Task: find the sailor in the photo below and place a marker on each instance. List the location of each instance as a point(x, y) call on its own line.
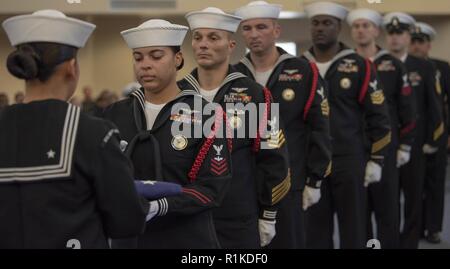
point(296, 85)
point(159, 121)
point(261, 178)
point(429, 127)
point(383, 198)
point(422, 37)
point(63, 180)
point(357, 111)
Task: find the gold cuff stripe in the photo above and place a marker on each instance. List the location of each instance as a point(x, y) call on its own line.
point(328, 171)
point(380, 144)
point(438, 132)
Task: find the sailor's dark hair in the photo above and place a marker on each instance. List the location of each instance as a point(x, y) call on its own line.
point(38, 60)
point(175, 50)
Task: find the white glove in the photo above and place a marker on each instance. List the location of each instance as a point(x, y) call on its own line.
point(123, 145)
point(427, 149)
point(266, 231)
point(402, 157)
point(152, 210)
point(373, 173)
point(310, 197)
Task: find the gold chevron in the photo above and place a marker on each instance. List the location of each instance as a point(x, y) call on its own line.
point(438, 88)
point(279, 191)
point(277, 140)
point(279, 186)
point(325, 107)
point(277, 197)
point(328, 171)
point(380, 144)
point(438, 132)
point(438, 85)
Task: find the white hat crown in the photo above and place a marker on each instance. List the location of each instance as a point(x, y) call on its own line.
point(364, 13)
point(155, 32)
point(50, 13)
point(213, 18)
point(259, 9)
point(426, 29)
point(400, 16)
point(48, 26)
point(326, 8)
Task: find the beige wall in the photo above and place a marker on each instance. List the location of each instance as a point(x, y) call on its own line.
point(106, 62)
point(416, 7)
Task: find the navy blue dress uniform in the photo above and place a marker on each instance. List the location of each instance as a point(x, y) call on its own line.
point(357, 102)
point(183, 221)
point(261, 178)
point(53, 192)
point(357, 112)
point(296, 85)
point(437, 163)
point(434, 191)
point(383, 197)
point(201, 164)
point(64, 181)
point(429, 130)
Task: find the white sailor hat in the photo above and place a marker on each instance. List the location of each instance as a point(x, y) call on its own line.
point(326, 8)
point(422, 29)
point(259, 9)
point(48, 26)
point(365, 13)
point(155, 33)
point(213, 18)
point(398, 21)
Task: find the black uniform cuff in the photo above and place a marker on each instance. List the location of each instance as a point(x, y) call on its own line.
point(314, 182)
point(268, 213)
point(405, 147)
point(377, 159)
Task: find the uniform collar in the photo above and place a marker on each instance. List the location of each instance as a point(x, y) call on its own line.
point(344, 51)
point(247, 61)
point(192, 78)
point(139, 95)
point(404, 57)
point(381, 52)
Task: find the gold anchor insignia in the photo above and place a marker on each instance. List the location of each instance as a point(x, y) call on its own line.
point(179, 142)
point(288, 94)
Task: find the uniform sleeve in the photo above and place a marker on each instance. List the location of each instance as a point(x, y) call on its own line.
point(434, 117)
point(445, 75)
point(272, 163)
point(316, 116)
point(406, 108)
point(122, 210)
point(376, 115)
point(209, 177)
